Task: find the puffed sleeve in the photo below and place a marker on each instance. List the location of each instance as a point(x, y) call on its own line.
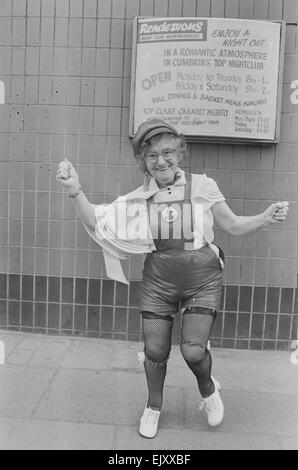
point(211, 191)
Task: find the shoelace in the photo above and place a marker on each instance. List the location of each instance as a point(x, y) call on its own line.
point(151, 415)
point(209, 403)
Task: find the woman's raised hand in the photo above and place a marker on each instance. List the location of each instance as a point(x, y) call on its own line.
point(67, 175)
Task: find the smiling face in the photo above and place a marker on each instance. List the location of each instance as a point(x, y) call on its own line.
point(162, 158)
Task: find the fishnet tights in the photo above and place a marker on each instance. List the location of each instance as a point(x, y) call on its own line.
point(158, 338)
point(157, 330)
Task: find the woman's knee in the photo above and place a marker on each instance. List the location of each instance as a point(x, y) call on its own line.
point(193, 352)
point(157, 331)
point(156, 352)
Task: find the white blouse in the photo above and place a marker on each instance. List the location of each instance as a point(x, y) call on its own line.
point(122, 227)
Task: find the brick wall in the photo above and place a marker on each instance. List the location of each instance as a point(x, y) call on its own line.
point(66, 69)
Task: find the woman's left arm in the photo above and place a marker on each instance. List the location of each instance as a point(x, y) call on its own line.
point(242, 225)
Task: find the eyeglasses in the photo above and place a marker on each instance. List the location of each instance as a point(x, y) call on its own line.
point(167, 154)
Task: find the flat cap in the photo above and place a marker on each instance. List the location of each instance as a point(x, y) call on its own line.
point(148, 129)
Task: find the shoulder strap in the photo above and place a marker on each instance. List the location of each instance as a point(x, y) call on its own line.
point(187, 191)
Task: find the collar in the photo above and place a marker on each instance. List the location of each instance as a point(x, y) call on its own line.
point(150, 187)
point(150, 183)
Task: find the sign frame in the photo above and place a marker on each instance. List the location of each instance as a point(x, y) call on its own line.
point(215, 138)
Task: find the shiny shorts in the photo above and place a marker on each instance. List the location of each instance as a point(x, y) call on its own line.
point(174, 279)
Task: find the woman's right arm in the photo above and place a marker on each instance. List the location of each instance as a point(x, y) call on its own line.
point(67, 175)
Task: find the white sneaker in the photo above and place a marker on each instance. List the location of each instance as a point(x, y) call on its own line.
point(213, 406)
point(149, 423)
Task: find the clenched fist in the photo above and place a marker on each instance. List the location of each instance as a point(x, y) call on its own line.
point(277, 212)
point(67, 175)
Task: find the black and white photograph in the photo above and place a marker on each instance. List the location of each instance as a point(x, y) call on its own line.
point(148, 227)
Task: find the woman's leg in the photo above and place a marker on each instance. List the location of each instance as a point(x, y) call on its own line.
point(157, 330)
point(196, 328)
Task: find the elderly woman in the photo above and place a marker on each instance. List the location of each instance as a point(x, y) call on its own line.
point(170, 217)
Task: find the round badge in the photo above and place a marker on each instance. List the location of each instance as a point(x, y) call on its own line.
point(169, 214)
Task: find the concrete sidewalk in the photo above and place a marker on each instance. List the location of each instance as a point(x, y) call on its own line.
point(60, 392)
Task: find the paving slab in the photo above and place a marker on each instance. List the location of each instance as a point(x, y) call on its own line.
point(80, 395)
point(20, 356)
point(128, 437)
point(257, 371)
point(102, 355)
point(254, 371)
point(37, 350)
point(186, 439)
point(38, 342)
point(21, 388)
point(247, 412)
point(49, 354)
point(50, 435)
point(104, 397)
point(10, 341)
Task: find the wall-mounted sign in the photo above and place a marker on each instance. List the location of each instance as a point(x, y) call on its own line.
point(214, 79)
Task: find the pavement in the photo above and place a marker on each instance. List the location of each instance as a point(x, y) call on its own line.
point(61, 392)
